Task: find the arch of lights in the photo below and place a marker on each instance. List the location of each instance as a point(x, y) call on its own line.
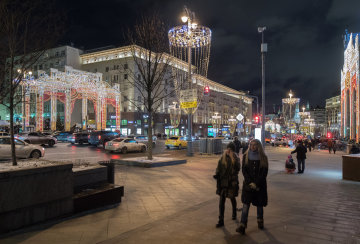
point(67, 87)
point(350, 121)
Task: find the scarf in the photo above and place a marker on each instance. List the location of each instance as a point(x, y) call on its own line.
point(253, 155)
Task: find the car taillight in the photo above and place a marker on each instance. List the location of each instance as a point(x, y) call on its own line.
point(73, 137)
point(88, 136)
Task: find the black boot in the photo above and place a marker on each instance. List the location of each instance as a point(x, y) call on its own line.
point(241, 228)
point(220, 223)
point(260, 224)
point(234, 214)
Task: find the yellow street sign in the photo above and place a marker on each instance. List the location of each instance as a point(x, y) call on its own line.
point(192, 104)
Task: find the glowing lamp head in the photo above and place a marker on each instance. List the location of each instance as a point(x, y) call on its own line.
point(256, 119)
point(329, 135)
point(184, 18)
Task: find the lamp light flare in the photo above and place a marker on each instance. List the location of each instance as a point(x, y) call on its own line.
point(184, 19)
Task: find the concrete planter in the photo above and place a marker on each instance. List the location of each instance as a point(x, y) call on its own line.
point(33, 195)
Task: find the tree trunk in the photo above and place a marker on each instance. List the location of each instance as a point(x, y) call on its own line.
point(11, 108)
point(150, 135)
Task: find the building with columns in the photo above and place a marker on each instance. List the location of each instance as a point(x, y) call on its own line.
point(118, 67)
point(350, 121)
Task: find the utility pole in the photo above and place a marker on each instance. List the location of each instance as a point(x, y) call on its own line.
point(263, 51)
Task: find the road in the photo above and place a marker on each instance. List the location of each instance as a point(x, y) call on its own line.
point(92, 154)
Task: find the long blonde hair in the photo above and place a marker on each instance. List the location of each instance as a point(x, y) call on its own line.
point(263, 158)
point(231, 155)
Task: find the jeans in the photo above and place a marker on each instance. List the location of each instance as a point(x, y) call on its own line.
point(301, 165)
point(245, 213)
point(222, 206)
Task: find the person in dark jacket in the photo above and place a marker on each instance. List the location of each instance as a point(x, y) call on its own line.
point(237, 145)
point(254, 191)
point(300, 156)
point(226, 175)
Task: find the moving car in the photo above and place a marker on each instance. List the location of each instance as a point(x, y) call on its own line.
point(23, 149)
point(176, 141)
point(124, 145)
point(37, 138)
point(63, 136)
point(101, 137)
point(144, 139)
point(81, 137)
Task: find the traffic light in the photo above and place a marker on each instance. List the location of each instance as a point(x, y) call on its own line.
point(257, 119)
point(206, 91)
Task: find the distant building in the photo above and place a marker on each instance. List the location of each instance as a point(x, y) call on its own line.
point(333, 115)
point(319, 117)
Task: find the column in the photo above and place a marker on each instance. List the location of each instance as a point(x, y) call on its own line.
point(40, 111)
point(117, 110)
point(84, 112)
point(103, 114)
point(27, 109)
point(53, 110)
point(98, 113)
point(67, 109)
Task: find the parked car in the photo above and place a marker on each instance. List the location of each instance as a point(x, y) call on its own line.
point(37, 138)
point(124, 145)
point(23, 149)
point(144, 139)
point(101, 137)
point(176, 141)
point(63, 136)
point(81, 138)
point(4, 134)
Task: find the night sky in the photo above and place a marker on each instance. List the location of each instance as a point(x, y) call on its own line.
point(305, 39)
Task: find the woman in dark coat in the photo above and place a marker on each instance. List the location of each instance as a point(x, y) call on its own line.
point(254, 190)
point(226, 175)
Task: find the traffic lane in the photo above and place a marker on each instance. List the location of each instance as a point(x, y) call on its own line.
point(88, 153)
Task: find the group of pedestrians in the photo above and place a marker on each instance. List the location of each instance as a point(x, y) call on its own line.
point(254, 188)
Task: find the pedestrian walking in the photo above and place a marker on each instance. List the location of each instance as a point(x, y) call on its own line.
point(254, 191)
point(300, 156)
point(237, 145)
point(330, 145)
point(227, 181)
point(334, 147)
point(309, 146)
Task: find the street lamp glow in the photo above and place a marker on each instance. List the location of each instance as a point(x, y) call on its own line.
point(303, 108)
point(184, 19)
point(290, 94)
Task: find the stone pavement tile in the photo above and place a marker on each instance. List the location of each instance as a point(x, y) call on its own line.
point(90, 237)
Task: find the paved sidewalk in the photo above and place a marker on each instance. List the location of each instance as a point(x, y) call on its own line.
point(177, 204)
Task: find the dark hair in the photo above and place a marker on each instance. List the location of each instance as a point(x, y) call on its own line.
point(231, 146)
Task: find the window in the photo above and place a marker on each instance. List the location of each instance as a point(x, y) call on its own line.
point(126, 66)
point(4, 140)
point(107, 69)
point(125, 76)
point(138, 122)
point(95, 70)
point(124, 122)
point(57, 54)
point(63, 53)
point(165, 121)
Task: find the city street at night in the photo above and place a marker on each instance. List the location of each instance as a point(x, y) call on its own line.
point(177, 204)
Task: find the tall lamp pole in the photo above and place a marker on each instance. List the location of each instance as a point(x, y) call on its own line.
point(188, 18)
point(263, 51)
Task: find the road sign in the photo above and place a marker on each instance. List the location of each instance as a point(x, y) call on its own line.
point(188, 98)
point(239, 117)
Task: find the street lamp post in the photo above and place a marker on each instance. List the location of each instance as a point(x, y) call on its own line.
point(263, 51)
point(290, 95)
point(188, 18)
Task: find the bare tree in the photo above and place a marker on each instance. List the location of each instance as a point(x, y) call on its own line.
point(152, 71)
point(27, 29)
